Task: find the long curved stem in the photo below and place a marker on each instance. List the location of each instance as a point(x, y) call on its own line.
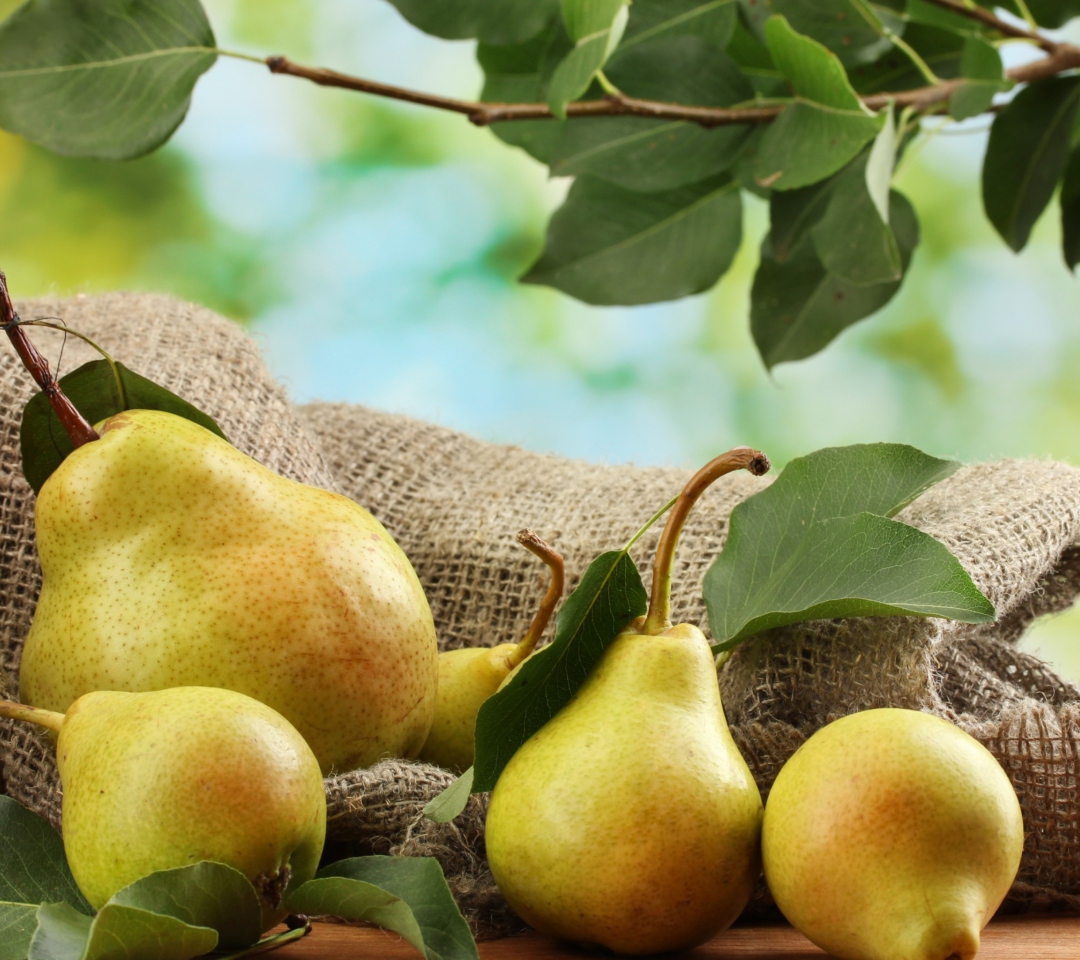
point(554, 560)
point(741, 458)
point(74, 423)
point(19, 711)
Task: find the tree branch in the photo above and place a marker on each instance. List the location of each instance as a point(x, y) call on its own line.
point(1063, 56)
point(986, 18)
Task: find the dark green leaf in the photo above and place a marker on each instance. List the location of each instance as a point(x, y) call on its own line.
point(94, 391)
point(1026, 155)
point(110, 79)
point(853, 242)
point(452, 801)
point(608, 245)
point(596, 27)
point(930, 14)
point(491, 21)
point(793, 213)
point(408, 895)
point(942, 50)
point(855, 36)
point(826, 128)
point(820, 543)
point(520, 74)
point(654, 155)
point(981, 67)
point(116, 933)
point(1047, 13)
point(1070, 210)
point(711, 20)
point(608, 597)
point(798, 307)
point(204, 894)
point(33, 871)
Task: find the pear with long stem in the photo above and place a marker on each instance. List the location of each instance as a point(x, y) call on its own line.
point(467, 677)
point(630, 819)
point(154, 781)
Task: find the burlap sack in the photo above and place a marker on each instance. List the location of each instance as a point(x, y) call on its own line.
point(454, 504)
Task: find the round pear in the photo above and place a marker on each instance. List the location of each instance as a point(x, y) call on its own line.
point(892, 835)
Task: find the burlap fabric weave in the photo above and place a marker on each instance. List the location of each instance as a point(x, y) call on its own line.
point(454, 505)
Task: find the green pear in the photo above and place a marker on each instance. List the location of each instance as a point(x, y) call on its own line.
point(467, 677)
point(171, 559)
point(630, 819)
point(154, 781)
point(892, 835)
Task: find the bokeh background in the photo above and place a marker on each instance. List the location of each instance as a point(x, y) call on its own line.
point(373, 249)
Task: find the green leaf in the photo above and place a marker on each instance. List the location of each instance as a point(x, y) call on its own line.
point(853, 31)
point(929, 13)
point(981, 67)
point(793, 213)
point(820, 543)
point(204, 894)
point(408, 895)
point(608, 597)
point(596, 27)
point(94, 391)
point(607, 245)
point(1070, 211)
point(1049, 13)
point(825, 128)
point(452, 801)
point(33, 871)
point(653, 155)
point(1027, 154)
point(797, 307)
point(711, 20)
point(853, 242)
point(942, 50)
point(490, 21)
point(520, 73)
point(109, 79)
point(116, 933)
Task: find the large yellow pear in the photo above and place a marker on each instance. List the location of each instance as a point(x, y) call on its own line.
point(154, 781)
point(172, 559)
point(892, 835)
point(631, 819)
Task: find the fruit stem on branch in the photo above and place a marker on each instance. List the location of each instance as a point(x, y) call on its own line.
point(74, 423)
point(19, 711)
point(741, 458)
point(554, 560)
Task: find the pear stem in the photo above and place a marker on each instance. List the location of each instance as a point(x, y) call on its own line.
point(74, 423)
point(530, 541)
point(19, 711)
point(741, 458)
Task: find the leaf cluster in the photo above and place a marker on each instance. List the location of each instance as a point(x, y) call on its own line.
point(191, 911)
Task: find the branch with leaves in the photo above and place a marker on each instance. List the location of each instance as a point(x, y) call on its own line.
point(664, 112)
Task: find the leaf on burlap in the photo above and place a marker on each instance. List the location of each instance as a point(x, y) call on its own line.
point(408, 895)
point(452, 801)
point(797, 306)
point(596, 27)
point(650, 155)
point(33, 871)
point(608, 597)
point(490, 21)
point(97, 395)
point(1027, 154)
point(826, 126)
point(1070, 211)
point(608, 245)
point(820, 542)
point(109, 79)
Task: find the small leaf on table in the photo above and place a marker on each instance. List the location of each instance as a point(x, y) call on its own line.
point(33, 871)
point(408, 895)
point(820, 542)
point(109, 79)
point(94, 390)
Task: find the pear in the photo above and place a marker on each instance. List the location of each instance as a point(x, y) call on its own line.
point(892, 835)
point(154, 781)
point(630, 820)
point(170, 558)
point(467, 677)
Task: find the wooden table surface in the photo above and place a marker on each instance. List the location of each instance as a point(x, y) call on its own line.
point(1015, 938)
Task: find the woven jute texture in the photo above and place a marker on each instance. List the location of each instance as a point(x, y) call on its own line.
point(455, 503)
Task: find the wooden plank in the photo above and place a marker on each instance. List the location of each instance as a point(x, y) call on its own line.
point(1011, 938)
